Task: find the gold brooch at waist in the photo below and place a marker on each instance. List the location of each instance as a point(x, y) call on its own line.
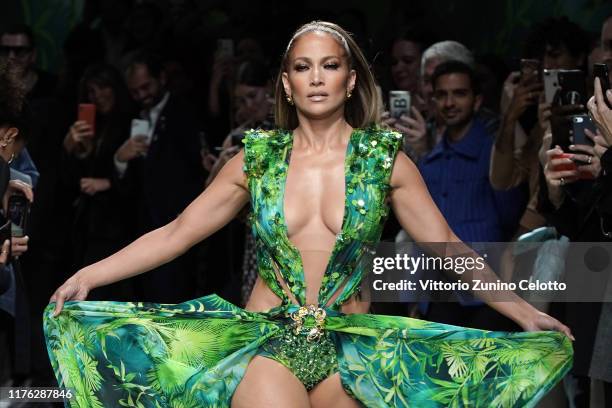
point(299, 317)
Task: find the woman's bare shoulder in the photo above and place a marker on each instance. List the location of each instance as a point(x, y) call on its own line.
point(404, 172)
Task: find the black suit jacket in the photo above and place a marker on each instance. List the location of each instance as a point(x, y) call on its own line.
point(171, 175)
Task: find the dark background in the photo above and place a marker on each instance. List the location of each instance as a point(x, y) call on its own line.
point(487, 27)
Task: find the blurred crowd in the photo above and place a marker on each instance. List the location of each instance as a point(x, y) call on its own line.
point(150, 103)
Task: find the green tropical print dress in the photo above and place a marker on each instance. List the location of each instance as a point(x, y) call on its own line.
point(194, 354)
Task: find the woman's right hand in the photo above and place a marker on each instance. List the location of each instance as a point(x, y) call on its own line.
point(523, 96)
point(73, 289)
point(413, 128)
point(80, 131)
point(556, 179)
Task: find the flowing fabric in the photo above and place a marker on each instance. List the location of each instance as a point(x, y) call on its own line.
point(195, 353)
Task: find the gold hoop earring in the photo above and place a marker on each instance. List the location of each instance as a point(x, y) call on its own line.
point(11, 159)
point(289, 100)
point(348, 94)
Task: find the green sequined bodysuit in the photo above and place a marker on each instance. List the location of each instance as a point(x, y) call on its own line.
point(196, 353)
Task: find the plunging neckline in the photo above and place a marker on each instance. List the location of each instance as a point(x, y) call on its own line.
point(285, 227)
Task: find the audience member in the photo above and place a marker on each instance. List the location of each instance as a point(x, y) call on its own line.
point(101, 212)
point(161, 170)
point(456, 174)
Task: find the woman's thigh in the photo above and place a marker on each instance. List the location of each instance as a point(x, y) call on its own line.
point(330, 393)
point(267, 383)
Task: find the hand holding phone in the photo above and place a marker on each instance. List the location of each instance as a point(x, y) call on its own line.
point(140, 127)
point(601, 71)
point(132, 148)
point(81, 132)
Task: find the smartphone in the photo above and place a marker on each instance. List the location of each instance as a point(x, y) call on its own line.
point(579, 124)
point(18, 214)
point(601, 71)
point(551, 84)
point(399, 103)
point(572, 87)
point(225, 48)
point(87, 113)
point(564, 87)
point(530, 71)
point(140, 127)
point(561, 127)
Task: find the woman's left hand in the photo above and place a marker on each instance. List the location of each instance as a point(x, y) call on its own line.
point(92, 186)
point(17, 187)
point(600, 144)
point(540, 321)
point(586, 154)
point(601, 114)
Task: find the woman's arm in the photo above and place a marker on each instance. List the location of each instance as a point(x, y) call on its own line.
point(420, 217)
point(214, 208)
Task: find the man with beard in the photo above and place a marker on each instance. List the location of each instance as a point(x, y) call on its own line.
point(162, 171)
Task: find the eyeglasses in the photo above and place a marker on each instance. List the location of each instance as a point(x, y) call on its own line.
point(18, 51)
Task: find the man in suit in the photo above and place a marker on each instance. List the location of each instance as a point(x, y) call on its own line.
point(161, 170)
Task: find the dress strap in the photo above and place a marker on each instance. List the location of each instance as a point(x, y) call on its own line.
point(264, 160)
point(368, 176)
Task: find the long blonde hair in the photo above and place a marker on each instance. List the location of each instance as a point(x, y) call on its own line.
point(361, 110)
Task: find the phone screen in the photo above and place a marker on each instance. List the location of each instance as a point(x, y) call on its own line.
point(18, 208)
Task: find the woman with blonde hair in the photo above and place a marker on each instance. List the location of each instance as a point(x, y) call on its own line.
point(319, 188)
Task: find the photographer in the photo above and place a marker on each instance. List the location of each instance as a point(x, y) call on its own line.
point(13, 305)
point(100, 211)
point(555, 43)
point(576, 198)
point(601, 362)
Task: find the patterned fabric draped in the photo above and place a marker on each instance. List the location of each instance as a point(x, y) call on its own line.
point(194, 354)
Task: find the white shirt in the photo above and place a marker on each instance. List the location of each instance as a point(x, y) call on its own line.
point(152, 116)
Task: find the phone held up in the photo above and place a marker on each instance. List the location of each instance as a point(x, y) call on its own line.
point(564, 87)
point(579, 124)
point(140, 127)
point(601, 71)
point(225, 48)
point(530, 71)
point(18, 214)
point(399, 103)
point(87, 114)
